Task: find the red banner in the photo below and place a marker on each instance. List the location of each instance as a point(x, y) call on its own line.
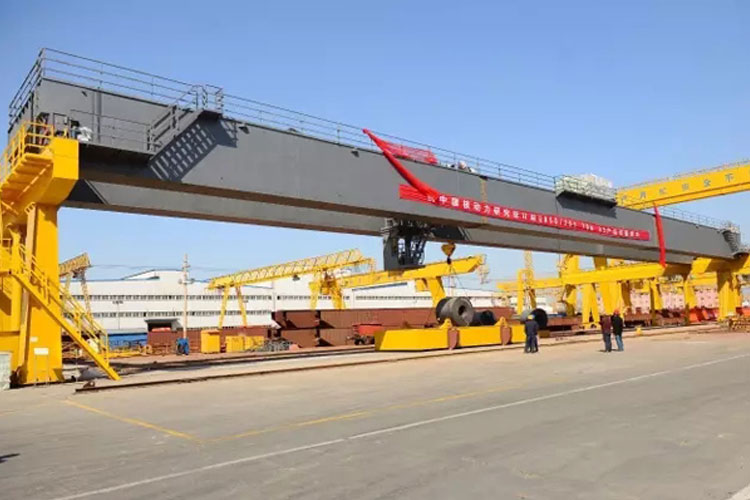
point(402, 151)
point(523, 216)
point(422, 192)
point(660, 236)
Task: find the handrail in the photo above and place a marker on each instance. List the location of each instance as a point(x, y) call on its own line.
point(88, 327)
point(168, 91)
point(32, 137)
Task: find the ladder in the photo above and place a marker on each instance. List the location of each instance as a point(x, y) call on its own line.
point(24, 161)
point(72, 317)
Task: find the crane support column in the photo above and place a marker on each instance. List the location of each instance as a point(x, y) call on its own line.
point(606, 288)
point(590, 316)
point(43, 342)
point(656, 304)
point(727, 287)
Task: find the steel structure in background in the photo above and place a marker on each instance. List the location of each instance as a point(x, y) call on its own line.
point(614, 281)
point(76, 267)
point(427, 278)
point(322, 267)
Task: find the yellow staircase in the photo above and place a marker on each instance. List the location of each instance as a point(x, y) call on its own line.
point(77, 323)
point(24, 162)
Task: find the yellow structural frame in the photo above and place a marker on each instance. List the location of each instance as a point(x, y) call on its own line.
point(321, 266)
point(614, 283)
point(690, 186)
point(427, 278)
point(38, 169)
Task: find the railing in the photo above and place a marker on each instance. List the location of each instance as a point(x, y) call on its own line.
point(54, 64)
point(58, 65)
point(30, 138)
point(698, 219)
point(55, 294)
point(277, 117)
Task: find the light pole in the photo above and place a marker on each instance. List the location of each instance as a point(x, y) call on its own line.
point(117, 303)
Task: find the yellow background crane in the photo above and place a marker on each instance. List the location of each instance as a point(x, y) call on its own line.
point(321, 267)
point(688, 186)
point(76, 268)
point(428, 277)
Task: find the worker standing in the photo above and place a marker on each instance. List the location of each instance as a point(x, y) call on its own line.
point(531, 328)
point(617, 327)
point(606, 322)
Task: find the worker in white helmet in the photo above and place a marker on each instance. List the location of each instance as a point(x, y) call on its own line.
point(531, 328)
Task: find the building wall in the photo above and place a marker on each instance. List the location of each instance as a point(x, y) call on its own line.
point(126, 304)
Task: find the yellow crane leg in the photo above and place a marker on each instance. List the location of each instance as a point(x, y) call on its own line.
point(223, 311)
point(435, 287)
point(656, 304)
point(570, 297)
point(337, 299)
point(727, 287)
point(314, 294)
point(241, 303)
point(607, 289)
point(590, 317)
point(41, 346)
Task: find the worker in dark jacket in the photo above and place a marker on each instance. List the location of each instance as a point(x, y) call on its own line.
point(617, 326)
point(606, 322)
point(531, 328)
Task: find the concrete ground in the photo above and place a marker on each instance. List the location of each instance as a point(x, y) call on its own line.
point(667, 419)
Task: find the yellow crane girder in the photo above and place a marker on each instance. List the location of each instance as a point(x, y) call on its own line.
point(702, 268)
point(311, 265)
point(690, 186)
point(427, 278)
point(72, 267)
point(76, 268)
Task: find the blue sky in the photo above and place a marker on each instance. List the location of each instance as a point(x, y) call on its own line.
point(630, 90)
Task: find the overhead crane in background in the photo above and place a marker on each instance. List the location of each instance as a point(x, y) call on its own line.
point(322, 267)
point(428, 277)
point(615, 282)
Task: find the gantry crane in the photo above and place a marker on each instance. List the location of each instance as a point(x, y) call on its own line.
point(615, 281)
point(428, 278)
point(76, 268)
point(322, 267)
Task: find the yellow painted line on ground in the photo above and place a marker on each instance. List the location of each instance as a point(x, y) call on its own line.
point(134, 421)
point(364, 413)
